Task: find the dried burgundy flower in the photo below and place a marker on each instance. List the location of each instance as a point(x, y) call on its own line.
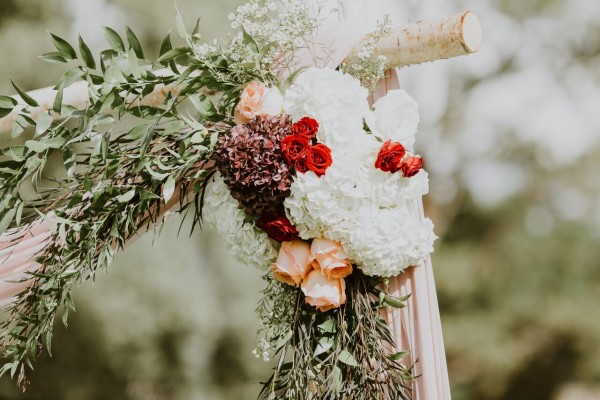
point(250, 159)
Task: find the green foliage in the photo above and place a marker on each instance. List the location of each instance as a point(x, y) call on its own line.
point(339, 354)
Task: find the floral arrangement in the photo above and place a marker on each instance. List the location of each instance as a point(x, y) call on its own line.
point(299, 174)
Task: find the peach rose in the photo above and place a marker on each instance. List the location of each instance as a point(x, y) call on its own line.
point(258, 99)
point(293, 262)
point(322, 292)
point(330, 258)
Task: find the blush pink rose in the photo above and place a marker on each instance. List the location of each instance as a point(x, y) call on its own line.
point(293, 263)
point(322, 292)
point(258, 99)
point(330, 258)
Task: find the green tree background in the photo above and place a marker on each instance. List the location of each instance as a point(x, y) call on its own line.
point(512, 142)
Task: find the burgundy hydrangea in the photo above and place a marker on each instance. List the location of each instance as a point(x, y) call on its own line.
point(250, 159)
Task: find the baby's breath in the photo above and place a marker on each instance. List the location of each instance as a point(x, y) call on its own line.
point(367, 66)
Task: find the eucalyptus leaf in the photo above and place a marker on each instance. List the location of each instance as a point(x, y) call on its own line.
point(347, 358)
point(26, 98)
point(86, 54)
point(127, 197)
point(43, 123)
point(7, 219)
point(63, 47)
point(134, 43)
point(169, 188)
point(53, 57)
point(114, 40)
point(173, 54)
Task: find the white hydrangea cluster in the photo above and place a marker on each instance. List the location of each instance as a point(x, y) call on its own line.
point(247, 243)
point(331, 98)
point(367, 210)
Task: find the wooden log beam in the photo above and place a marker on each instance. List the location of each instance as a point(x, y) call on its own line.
point(426, 41)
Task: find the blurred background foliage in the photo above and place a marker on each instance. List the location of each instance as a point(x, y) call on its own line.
point(511, 138)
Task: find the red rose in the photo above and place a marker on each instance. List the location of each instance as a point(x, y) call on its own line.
point(318, 159)
point(306, 127)
point(301, 165)
point(278, 227)
point(411, 166)
point(294, 147)
point(390, 156)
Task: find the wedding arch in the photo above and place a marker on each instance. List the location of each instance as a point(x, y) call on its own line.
point(173, 162)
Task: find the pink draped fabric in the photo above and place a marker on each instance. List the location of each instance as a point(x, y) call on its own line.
point(417, 328)
point(18, 250)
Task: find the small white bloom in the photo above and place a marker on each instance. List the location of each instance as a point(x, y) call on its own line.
point(396, 117)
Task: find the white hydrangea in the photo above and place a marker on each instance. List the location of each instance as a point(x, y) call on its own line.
point(395, 117)
point(336, 100)
point(247, 243)
point(367, 210)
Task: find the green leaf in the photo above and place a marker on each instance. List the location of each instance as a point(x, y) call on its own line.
point(169, 189)
point(26, 98)
point(395, 302)
point(179, 24)
point(7, 219)
point(347, 358)
point(134, 66)
point(86, 54)
point(165, 45)
point(249, 41)
point(325, 344)
point(7, 104)
point(135, 44)
point(145, 195)
point(19, 126)
point(398, 356)
point(127, 197)
point(69, 78)
point(328, 326)
point(114, 40)
point(63, 47)
point(38, 147)
point(137, 133)
point(53, 57)
point(173, 54)
point(58, 101)
point(43, 123)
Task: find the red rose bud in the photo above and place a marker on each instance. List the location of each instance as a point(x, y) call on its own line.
point(278, 228)
point(294, 147)
point(318, 159)
point(390, 156)
point(411, 166)
point(306, 127)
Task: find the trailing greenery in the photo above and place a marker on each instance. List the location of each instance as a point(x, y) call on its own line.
point(116, 181)
point(345, 353)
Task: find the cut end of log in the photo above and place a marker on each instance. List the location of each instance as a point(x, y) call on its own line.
point(472, 36)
